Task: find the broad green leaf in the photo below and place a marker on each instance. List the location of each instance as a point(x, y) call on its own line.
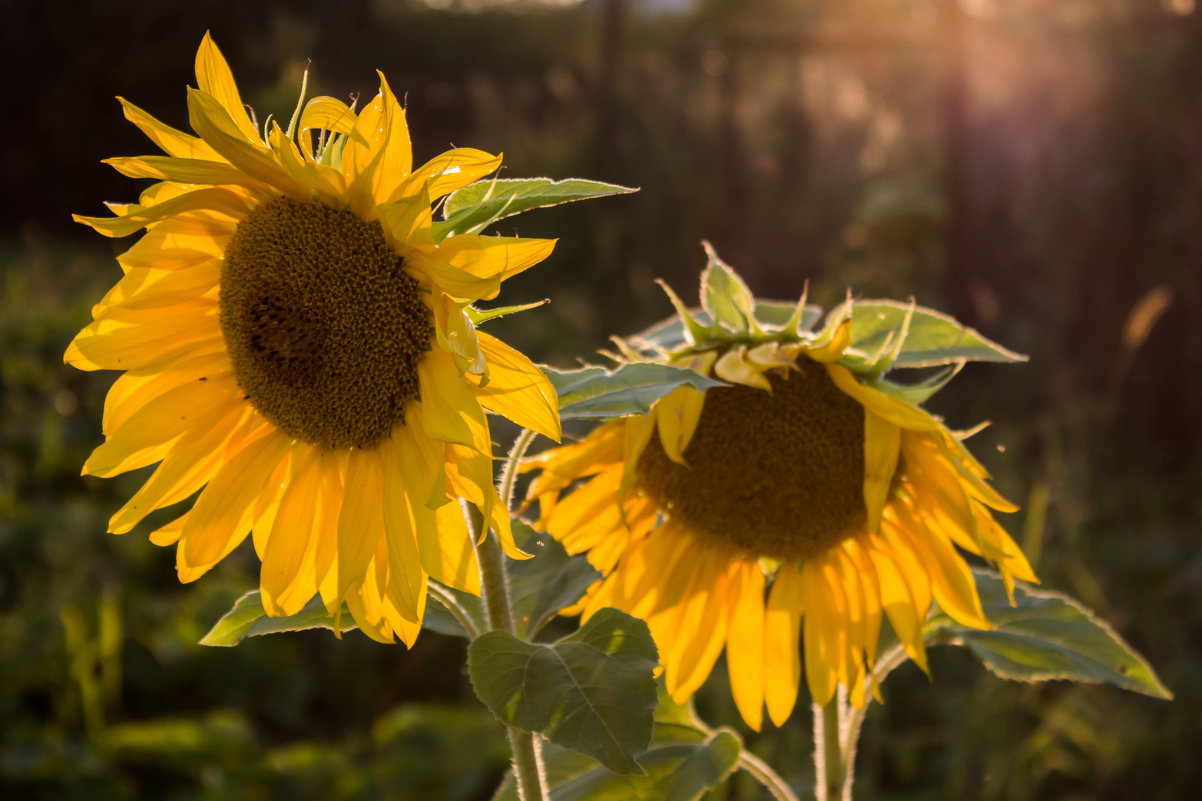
point(440, 619)
point(675, 722)
point(934, 338)
point(676, 772)
point(247, 618)
point(591, 691)
point(594, 392)
point(1047, 635)
point(477, 205)
point(725, 297)
point(772, 315)
point(541, 586)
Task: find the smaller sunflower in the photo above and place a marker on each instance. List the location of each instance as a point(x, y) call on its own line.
point(300, 353)
point(801, 503)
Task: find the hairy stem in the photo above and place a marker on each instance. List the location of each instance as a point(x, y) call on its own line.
point(494, 585)
point(448, 599)
point(766, 776)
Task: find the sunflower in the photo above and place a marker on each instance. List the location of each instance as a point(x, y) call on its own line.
point(299, 346)
point(798, 503)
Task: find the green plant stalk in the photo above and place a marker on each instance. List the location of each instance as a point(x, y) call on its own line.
point(452, 604)
point(829, 778)
point(766, 776)
point(494, 585)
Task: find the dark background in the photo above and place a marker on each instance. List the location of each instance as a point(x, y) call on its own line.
point(1034, 167)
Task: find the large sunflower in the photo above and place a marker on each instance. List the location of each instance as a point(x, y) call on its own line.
point(300, 347)
point(801, 495)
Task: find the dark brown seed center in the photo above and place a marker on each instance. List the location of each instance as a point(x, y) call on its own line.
point(323, 325)
point(777, 474)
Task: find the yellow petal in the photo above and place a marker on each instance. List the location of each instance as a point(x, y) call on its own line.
point(889, 408)
point(517, 389)
point(128, 340)
point(292, 531)
point(396, 153)
point(445, 173)
point(146, 434)
point(832, 350)
point(224, 512)
point(173, 142)
point(213, 76)
point(188, 171)
point(456, 334)
point(327, 114)
point(361, 523)
point(882, 445)
point(745, 641)
point(218, 199)
point(213, 123)
point(899, 605)
point(448, 408)
point(134, 389)
point(407, 222)
point(676, 417)
point(700, 629)
point(825, 627)
point(782, 629)
point(405, 574)
point(951, 580)
point(189, 465)
point(144, 288)
point(733, 366)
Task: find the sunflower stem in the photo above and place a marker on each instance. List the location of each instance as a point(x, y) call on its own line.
point(829, 764)
point(766, 776)
point(494, 586)
point(447, 599)
point(509, 472)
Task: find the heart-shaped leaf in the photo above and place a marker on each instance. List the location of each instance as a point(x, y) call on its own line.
point(592, 691)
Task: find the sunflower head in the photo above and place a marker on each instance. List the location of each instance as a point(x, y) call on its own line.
point(299, 346)
point(797, 505)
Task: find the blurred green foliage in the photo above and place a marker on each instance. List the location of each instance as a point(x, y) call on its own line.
point(1038, 180)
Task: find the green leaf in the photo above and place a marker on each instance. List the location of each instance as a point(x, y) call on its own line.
point(440, 619)
point(772, 315)
point(541, 586)
point(597, 393)
point(676, 772)
point(1046, 635)
point(247, 618)
point(922, 391)
point(934, 338)
point(477, 205)
point(591, 691)
point(725, 297)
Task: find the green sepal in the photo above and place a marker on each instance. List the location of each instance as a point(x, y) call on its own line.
point(479, 204)
point(919, 393)
point(778, 320)
point(726, 298)
point(693, 331)
point(1046, 635)
point(478, 316)
point(591, 691)
point(331, 154)
point(932, 339)
point(549, 581)
point(247, 618)
point(597, 393)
